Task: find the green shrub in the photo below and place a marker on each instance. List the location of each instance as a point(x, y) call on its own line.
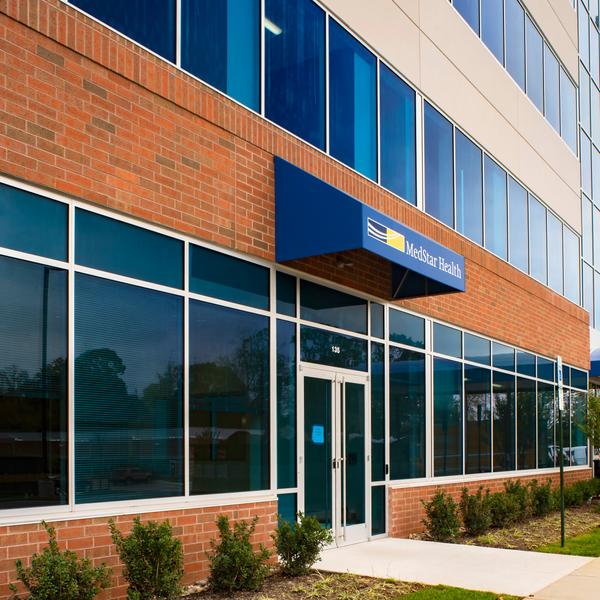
point(153, 560)
point(574, 496)
point(475, 511)
point(541, 498)
point(441, 518)
point(522, 499)
point(299, 544)
point(504, 509)
point(234, 565)
point(56, 575)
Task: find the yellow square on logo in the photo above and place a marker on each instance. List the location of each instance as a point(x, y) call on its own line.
point(395, 239)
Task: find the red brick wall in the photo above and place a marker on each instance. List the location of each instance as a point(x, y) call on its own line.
point(405, 506)
point(90, 537)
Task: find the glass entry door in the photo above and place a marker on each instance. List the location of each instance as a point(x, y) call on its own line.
point(333, 455)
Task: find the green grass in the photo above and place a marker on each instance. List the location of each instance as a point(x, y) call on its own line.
point(587, 544)
point(442, 592)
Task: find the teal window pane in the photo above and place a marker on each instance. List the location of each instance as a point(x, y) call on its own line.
point(378, 510)
point(477, 419)
point(546, 420)
point(526, 423)
point(286, 294)
point(377, 320)
point(545, 368)
point(477, 349)
point(111, 245)
point(229, 400)
point(469, 204)
point(518, 226)
point(353, 412)
point(286, 404)
point(32, 223)
point(555, 254)
point(447, 340)
point(579, 447)
point(504, 421)
point(504, 357)
point(407, 329)
point(128, 392)
point(525, 363)
point(220, 43)
point(377, 412)
point(496, 215)
point(407, 414)
point(228, 278)
point(287, 507)
point(352, 102)
point(579, 379)
point(331, 307)
point(33, 385)
point(447, 417)
point(334, 349)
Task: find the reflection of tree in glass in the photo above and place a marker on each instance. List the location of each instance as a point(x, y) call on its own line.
point(317, 348)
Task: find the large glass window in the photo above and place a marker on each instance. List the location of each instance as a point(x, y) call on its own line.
point(32, 223)
point(477, 419)
point(496, 217)
point(352, 102)
point(439, 194)
point(586, 225)
point(469, 209)
point(333, 349)
point(377, 412)
point(568, 111)
point(407, 329)
point(584, 35)
point(397, 135)
point(595, 114)
point(447, 340)
point(537, 239)
point(469, 9)
point(229, 400)
point(551, 91)
point(286, 404)
point(546, 425)
point(477, 349)
point(151, 23)
point(526, 423)
point(584, 98)
point(447, 417)
point(535, 61)
point(586, 164)
point(295, 68)
point(518, 226)
point(407, 414)
point(555, 254)
point(504, 421)
point(33, 385)
point(111, 245)
point(220, 43)
point(128, 392)
point(579, 443)
point(515, 41)
point(492, 30)
point(571, 264)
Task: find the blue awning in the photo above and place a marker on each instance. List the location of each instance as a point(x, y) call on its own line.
point(314, 218)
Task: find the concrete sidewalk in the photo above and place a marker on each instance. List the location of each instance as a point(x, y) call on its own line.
point(581, 584)
point(472, 567)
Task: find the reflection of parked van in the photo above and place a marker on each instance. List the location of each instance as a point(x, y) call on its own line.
point(576, 455)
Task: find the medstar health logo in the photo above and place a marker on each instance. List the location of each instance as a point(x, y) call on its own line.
point(385, 235)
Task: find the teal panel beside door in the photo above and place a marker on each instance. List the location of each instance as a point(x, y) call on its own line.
point(354, 440)
point(378, 510)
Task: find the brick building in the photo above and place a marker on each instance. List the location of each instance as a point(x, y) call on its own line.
point(261, 257)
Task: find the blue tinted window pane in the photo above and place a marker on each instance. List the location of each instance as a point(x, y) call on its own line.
point(33, 385)
point(584, 33)
point(496, 238)
point(526, 423)
point(287, 507)
point(595, 115)
point(397, 135)
point(586, 220)
point(229, 400)
point(504, 421)
point(579, 448)
point(220, 43)
point(566, 427)
point(295, 68)
point(286, 294)
point(407, 329)
point(586, 165)
point(33, 224)
point(469, 9)
point(353, 102)
point(555, 254)
point(566, 375)
point(504, 357)
point(111, 245)
point(546, 420)
point(588, 291)
point(492, 30)
point(537, 239)
point(439, 196)
point(447, 340)
point(551, 93)
point(333, 349)
point(151, 23)
point(477, 349)
point(447, 417)
point(596, 298)
point(596, 226)
point(526, 363)
point(571, 265)
point(377, 412)
point(579, 379)
point(568, 111)
point(594, 54)
point(535, 61)
point(378, 517)
point(229, 278)
point(407, 414)
point(377, 318)
point(584, 98)
point(545, 368)
point(128, 392)
point(477, 419)
point(286, 404)
point(595, 175)
point(331, 307)
point(469, 210)
point(518, 226)
point(515, 41)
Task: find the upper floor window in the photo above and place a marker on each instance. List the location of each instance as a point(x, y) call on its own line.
point(469, 210)
point(515, 41)
point(469, 9)
point(492, 32)
point(535, 62)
